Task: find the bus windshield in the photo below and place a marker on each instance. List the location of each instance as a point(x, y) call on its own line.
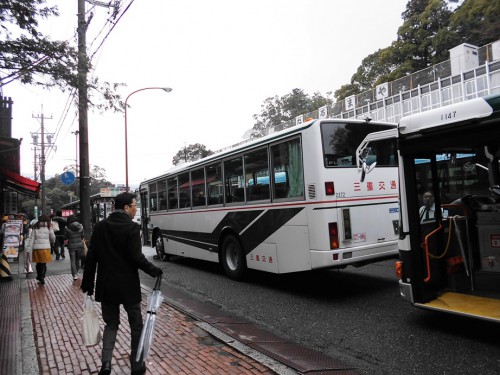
point(460, 173)
point(341, 140)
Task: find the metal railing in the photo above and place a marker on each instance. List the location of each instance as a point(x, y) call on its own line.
point(426, 89)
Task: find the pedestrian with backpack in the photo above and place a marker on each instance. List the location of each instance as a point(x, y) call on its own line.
point(73, 233)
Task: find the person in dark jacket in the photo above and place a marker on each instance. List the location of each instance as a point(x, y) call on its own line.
point(59, 244)
point(115, 250)
point(73, 233)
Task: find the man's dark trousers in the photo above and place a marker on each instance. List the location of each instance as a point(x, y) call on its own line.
point(59, 246)
point(111, 316)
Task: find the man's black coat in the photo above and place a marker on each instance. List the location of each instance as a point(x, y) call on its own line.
point(116, 251)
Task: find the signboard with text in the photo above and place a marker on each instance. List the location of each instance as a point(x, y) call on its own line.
point(12, 239)
point(112, 191)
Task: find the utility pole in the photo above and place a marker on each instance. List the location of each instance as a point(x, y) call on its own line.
point(83, 117)
point(83, 121)
point(35, 163)
point(43, 145)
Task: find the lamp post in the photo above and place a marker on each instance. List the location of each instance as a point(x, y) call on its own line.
point(166, 89)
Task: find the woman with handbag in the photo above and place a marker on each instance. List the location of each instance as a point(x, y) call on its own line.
point(42, 238)
point(73, 233)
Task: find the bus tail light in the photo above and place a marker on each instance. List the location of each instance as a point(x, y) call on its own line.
point(334, 235)
point(329, 188)
point(399, 269)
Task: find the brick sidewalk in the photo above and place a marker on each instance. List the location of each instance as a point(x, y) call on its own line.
point(179, 346)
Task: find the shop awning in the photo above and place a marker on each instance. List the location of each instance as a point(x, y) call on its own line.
point(16, 182)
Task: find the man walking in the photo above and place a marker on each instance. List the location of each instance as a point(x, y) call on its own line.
point(115, 250)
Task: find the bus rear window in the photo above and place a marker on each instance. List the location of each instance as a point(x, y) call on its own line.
point(340, 142)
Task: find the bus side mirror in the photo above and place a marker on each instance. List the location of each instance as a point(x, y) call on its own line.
point(495, 189)
point(365, 169)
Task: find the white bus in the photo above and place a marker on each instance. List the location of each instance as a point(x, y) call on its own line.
point(290, 201)
point(450, 262)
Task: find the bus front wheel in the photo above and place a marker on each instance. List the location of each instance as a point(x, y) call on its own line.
point(233, 258)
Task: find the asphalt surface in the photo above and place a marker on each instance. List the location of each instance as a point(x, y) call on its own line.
point(43, 322)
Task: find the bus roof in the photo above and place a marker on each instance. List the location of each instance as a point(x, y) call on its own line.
point(261, 140)
point(468, 110)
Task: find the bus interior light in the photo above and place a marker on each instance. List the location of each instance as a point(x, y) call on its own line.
point(329, 188)
point(334, 235)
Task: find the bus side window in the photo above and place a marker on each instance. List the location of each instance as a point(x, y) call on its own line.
point(198, 187)
point(287, 160)
point(163, 204)
point(257, 175)
point(153, 196)
point(280, 190)
point(258, 192)
point(162, 192)
point(184, 196)
point(173, 203)
point(233, 172)
point(214, 184)
point(239, 195)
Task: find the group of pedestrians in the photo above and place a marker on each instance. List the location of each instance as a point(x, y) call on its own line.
point(111, 268)
point(48, 236)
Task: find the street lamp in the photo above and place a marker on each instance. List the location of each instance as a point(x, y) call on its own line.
point(166, 89)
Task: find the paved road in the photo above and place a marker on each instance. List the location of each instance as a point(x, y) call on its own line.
point(354, 315)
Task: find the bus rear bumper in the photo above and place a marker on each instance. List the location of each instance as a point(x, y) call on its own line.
point(353, 256)
point(405, 291)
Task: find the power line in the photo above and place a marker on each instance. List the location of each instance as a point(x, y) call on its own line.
point(110, 30)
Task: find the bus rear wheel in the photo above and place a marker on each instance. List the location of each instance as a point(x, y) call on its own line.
point(233, 258)
point(160, 249)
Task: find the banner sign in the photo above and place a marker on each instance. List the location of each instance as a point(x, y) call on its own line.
point(12, 238)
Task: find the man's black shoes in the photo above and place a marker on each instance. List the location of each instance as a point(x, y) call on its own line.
point(139, 371)
point(105, 369)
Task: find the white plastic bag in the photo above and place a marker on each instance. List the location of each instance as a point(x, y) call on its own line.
point(91, 333)
point(27, 266)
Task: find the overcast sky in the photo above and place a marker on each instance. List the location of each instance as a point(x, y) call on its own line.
point(222, 59)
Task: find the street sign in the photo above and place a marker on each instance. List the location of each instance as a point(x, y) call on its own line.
point(68, 178)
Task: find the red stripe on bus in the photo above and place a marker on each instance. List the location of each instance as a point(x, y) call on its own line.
point(189, 211)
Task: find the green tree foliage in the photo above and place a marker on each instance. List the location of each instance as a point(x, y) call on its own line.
point(26, 53)
point(191, 153)
point(33, 58)
point(277, 110)
point(477, 22)
point(347, 90)
point(430, 29)
point(424, 38)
